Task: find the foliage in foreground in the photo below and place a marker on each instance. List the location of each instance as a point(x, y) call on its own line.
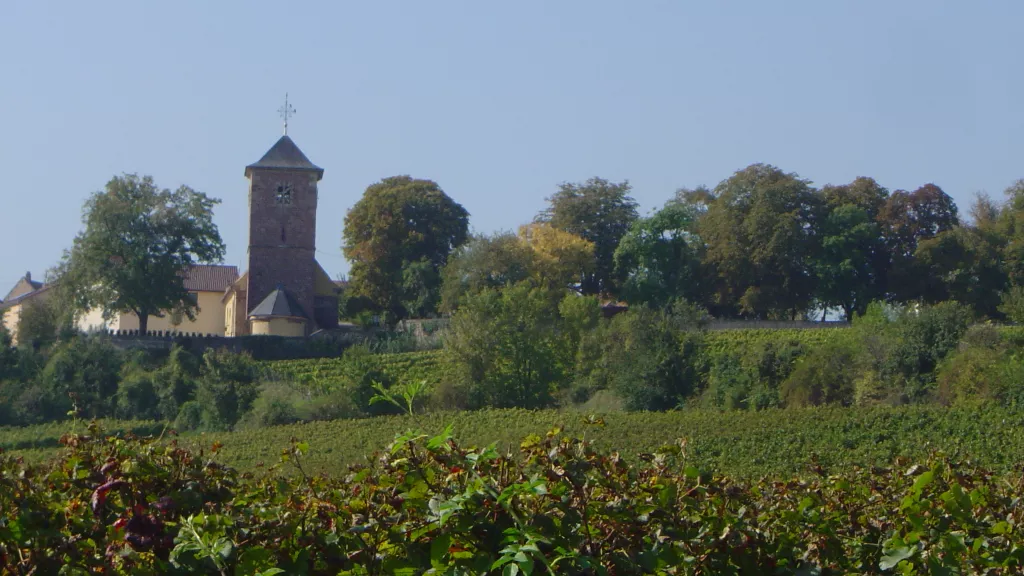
point(558, 506)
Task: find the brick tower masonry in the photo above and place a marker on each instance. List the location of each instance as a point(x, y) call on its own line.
point(282, 227)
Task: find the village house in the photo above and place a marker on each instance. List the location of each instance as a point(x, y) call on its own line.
point(206, 285)
point(26, 292)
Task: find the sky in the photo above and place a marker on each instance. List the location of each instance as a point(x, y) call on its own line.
point(498, 102)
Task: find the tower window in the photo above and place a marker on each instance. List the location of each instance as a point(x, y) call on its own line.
point(283, 194)
point(283, 238)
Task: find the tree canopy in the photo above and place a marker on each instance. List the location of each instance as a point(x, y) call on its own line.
point(398, 236)
point(659, 258)
point(540, 254)
point(599, 211)
point(136, 244)
point(761, 241)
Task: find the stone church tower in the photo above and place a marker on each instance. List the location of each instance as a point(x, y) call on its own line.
point(285, 291)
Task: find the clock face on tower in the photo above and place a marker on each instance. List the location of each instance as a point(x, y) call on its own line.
point(283, 194)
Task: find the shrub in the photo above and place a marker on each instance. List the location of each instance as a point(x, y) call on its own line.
point(984, 368)
point(137, 397)
point(825, 376)
point(83, 373)
point(1012, 304)
point(227, 388)
point(729, 384)
point(274, 406)
point(358, 371)
point(504, 347)
point(650, 358)
point(902, 347)
point(176, 381)
point(190, 417)
point(336, 405)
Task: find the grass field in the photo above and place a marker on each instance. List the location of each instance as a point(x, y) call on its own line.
point(738, 444)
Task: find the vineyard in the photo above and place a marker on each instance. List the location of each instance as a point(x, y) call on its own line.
point(550, 504)
point(322, 372)
point(427, 365)
point(775, 443)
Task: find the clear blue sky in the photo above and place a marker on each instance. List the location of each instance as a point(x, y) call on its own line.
point(496, 101)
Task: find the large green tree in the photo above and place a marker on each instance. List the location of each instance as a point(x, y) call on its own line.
point(962, 264)
point(484, 261)
point(907, 219)
point(846, 267)
point(660, 257)
point(540, 254)
point(398, 236)
point(759, 230)
point(1010, 226)
point(601, 212)
point(137, 242)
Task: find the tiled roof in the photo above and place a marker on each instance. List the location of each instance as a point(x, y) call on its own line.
point(285, 155)
point(278, 303)
point(209, 277)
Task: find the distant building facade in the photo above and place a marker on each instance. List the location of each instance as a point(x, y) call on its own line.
point(206, 284)
point(26, 292)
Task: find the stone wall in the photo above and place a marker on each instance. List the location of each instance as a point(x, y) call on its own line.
point(322, 345)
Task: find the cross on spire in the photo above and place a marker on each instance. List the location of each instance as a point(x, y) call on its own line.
point(286, 112)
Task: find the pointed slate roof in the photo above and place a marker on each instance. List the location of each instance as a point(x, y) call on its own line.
point(285, 155)
point(278, 303)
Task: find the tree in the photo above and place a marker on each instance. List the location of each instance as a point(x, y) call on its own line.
point(137, 243)
point(864, 193)
point(1010, 226)
point(541, 254)
point(561, 260)
point(649, 357)
point(759, 230)
point(39, 323)
point(398, 236)
point(962, 264)
point(601, 212)
point(484, 262)
point(8, 354)
point(660, 257)
point(504, 348)
point(907, 219)
point(846, 269)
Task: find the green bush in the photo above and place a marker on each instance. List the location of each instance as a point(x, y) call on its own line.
point(176, 381)
point(275, 406)
point(190, 416)
point(984, 368)
point(81, 374)
point(137, 397)
point(825, 376)
point(650, 358)
point(504, 348)
point(227, 388)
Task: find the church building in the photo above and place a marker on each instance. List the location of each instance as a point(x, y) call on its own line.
point(284, 292)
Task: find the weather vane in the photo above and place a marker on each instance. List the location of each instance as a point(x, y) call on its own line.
point(286, 112)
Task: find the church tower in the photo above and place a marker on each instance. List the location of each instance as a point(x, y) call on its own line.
point(282, 234)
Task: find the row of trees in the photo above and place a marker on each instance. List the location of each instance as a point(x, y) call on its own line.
point(763, 243)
